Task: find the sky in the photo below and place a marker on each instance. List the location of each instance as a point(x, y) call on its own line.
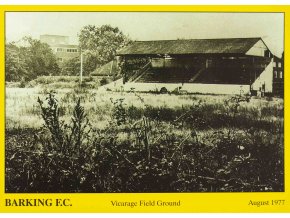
point(152, 25)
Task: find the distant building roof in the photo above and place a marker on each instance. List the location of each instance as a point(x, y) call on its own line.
point(190, 46)
point(52, 35)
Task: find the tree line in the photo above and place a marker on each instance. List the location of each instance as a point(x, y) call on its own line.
point(35, 58)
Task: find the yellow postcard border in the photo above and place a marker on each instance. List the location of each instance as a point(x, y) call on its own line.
point(190, 202)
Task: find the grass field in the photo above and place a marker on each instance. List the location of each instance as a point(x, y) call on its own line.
point(141, 142)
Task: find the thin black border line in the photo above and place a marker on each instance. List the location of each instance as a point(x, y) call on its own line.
point(218, 12)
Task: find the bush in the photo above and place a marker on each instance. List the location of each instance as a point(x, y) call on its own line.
point(104, 81)
point(22, 83)
point(163, 90)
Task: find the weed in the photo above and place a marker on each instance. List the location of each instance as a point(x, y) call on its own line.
point(119, 111)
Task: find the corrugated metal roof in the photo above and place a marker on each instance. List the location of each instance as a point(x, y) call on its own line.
point(190, 46)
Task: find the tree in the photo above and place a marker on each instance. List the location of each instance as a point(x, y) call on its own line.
point(99, 44)
point(40, 59)
point(29, 61)
point(15, 65)
point(71, 67)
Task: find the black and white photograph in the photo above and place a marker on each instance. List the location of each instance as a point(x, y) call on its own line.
point(144, 102)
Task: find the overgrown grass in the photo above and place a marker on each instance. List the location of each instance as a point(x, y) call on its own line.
point(57, 82)
point(86, 141)
point(21, 103)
